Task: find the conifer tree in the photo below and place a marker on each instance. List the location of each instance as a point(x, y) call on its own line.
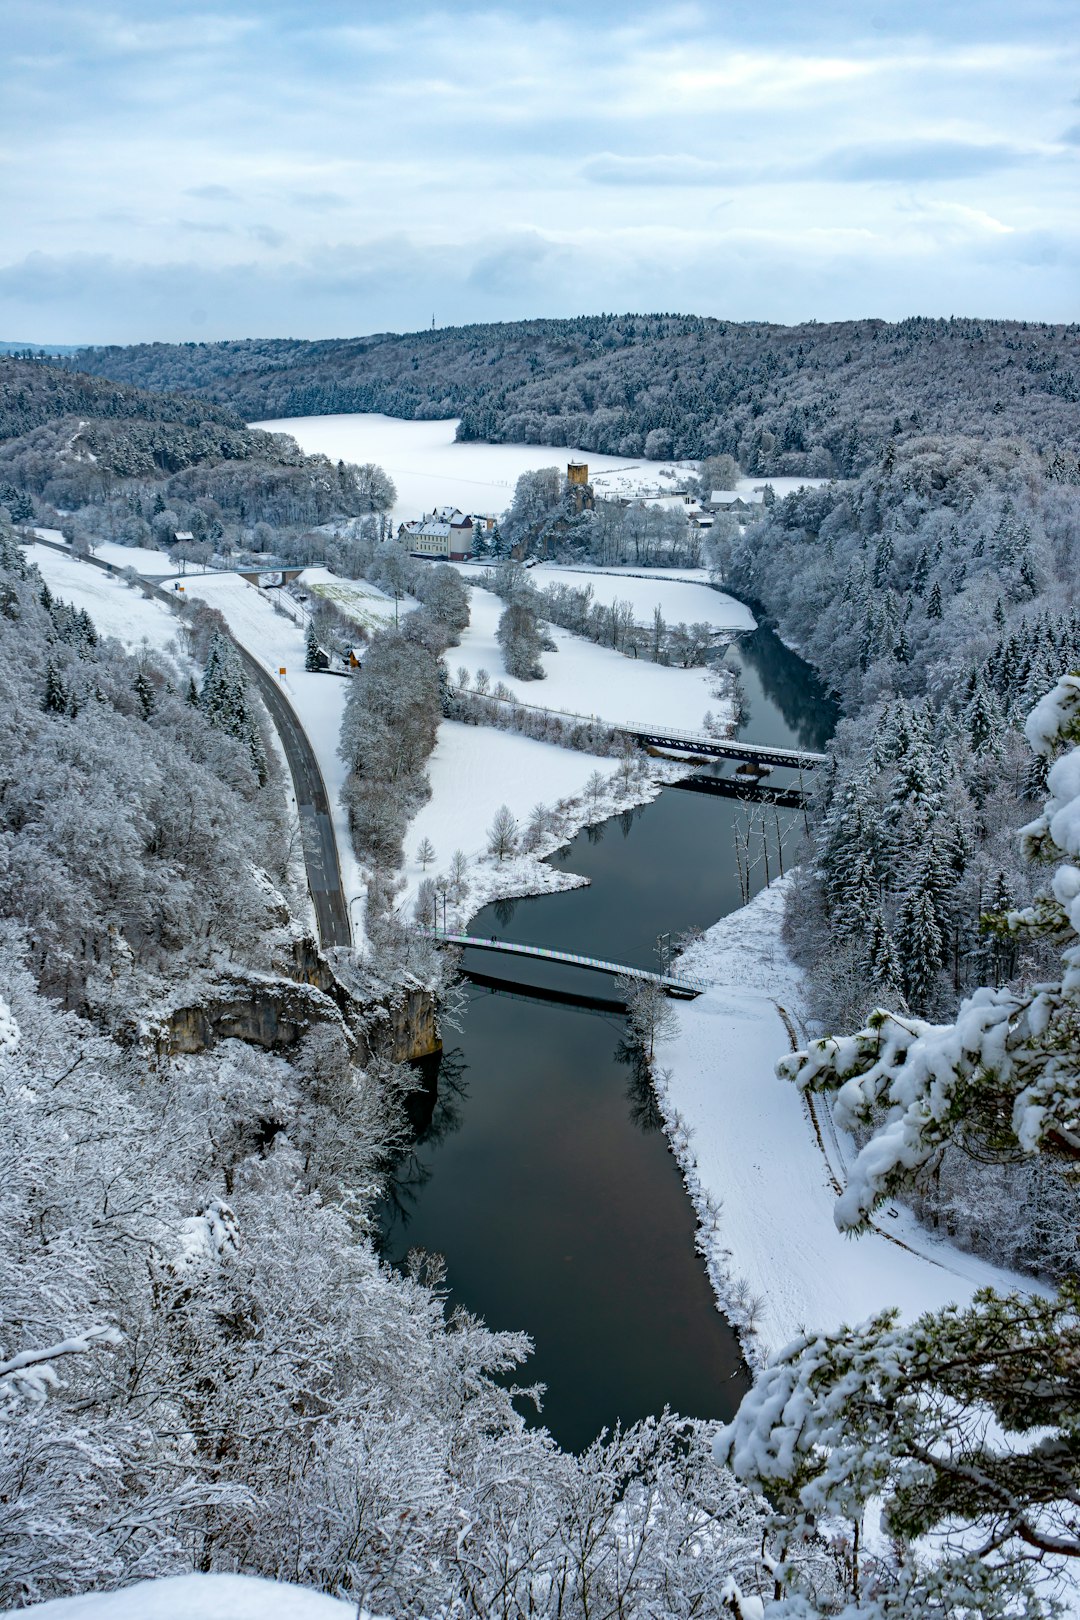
point(225, 702)
point(884, 962)
point(313, 659)
point(919, 945)
point(144, 691)
point(883, 557)
point(55, 700)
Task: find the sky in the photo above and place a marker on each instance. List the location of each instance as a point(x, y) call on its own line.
point(175, 172)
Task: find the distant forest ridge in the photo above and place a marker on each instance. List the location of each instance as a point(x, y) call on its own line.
point(814, 399)
point(33, 393)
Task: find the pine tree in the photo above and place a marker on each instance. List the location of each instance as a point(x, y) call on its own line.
point(921, 573)
point(934, 609)
point(55, 700)
point(919, 946)
point(224, 701)
point(884, 963)
point(144, 691)
point(882, 561)
point(984, 721)
point(314, 658)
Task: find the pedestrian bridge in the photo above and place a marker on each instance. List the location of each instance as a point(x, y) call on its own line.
point(681, 986)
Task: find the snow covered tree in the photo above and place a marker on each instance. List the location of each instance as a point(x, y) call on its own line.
point(425, 853)
point(502, 834)
point(226, 702)
point(313, 657)
point(1008, 1068)
point(55, 700)
point(425, 909)
point(649, 1012)
point(963, 1424)
point(444, 594)
point(519, 637)
point(144, 691)
point(459, 877)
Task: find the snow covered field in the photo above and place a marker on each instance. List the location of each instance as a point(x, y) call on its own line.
point(427, 466)
point(583, 678)
point(749, 1149)
point(364, 604)
point(430, 469)
point(116, 609)
point(678, 601)
point(154, 564)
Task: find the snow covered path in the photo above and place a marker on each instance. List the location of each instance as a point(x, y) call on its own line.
point(746, 1142)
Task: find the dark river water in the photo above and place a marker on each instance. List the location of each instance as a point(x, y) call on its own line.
point(543, 1175)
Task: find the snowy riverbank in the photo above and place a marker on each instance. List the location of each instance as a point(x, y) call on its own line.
point(762, 1174)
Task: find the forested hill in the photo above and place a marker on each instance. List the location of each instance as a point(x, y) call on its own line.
point(121, 454)
point(32, 393)
point(812, 399)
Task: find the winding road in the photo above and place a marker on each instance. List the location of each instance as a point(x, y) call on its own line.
point(313, 806)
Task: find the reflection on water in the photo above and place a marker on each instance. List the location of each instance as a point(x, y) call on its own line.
point(549, 1187)
point(542, 1172)
point(786, 703)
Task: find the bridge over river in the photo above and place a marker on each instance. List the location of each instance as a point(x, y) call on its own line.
point(682, 986)
point(688, 742)
point(678, 742)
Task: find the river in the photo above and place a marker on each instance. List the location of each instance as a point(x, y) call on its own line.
point(543, 1175)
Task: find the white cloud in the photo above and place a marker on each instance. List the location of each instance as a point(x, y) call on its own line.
point(513, 160)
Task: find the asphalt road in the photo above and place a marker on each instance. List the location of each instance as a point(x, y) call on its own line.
point(316, 826)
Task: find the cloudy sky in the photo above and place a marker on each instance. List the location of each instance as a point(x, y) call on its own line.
point(331, 169)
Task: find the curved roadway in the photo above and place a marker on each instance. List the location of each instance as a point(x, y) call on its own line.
point(316, 824)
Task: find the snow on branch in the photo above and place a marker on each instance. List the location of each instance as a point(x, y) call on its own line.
point(9, 1031)
point(30, 1375)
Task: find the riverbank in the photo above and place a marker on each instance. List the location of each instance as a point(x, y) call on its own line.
point(762, 1171)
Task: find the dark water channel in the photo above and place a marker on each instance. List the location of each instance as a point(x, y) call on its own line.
point(544, 1176)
